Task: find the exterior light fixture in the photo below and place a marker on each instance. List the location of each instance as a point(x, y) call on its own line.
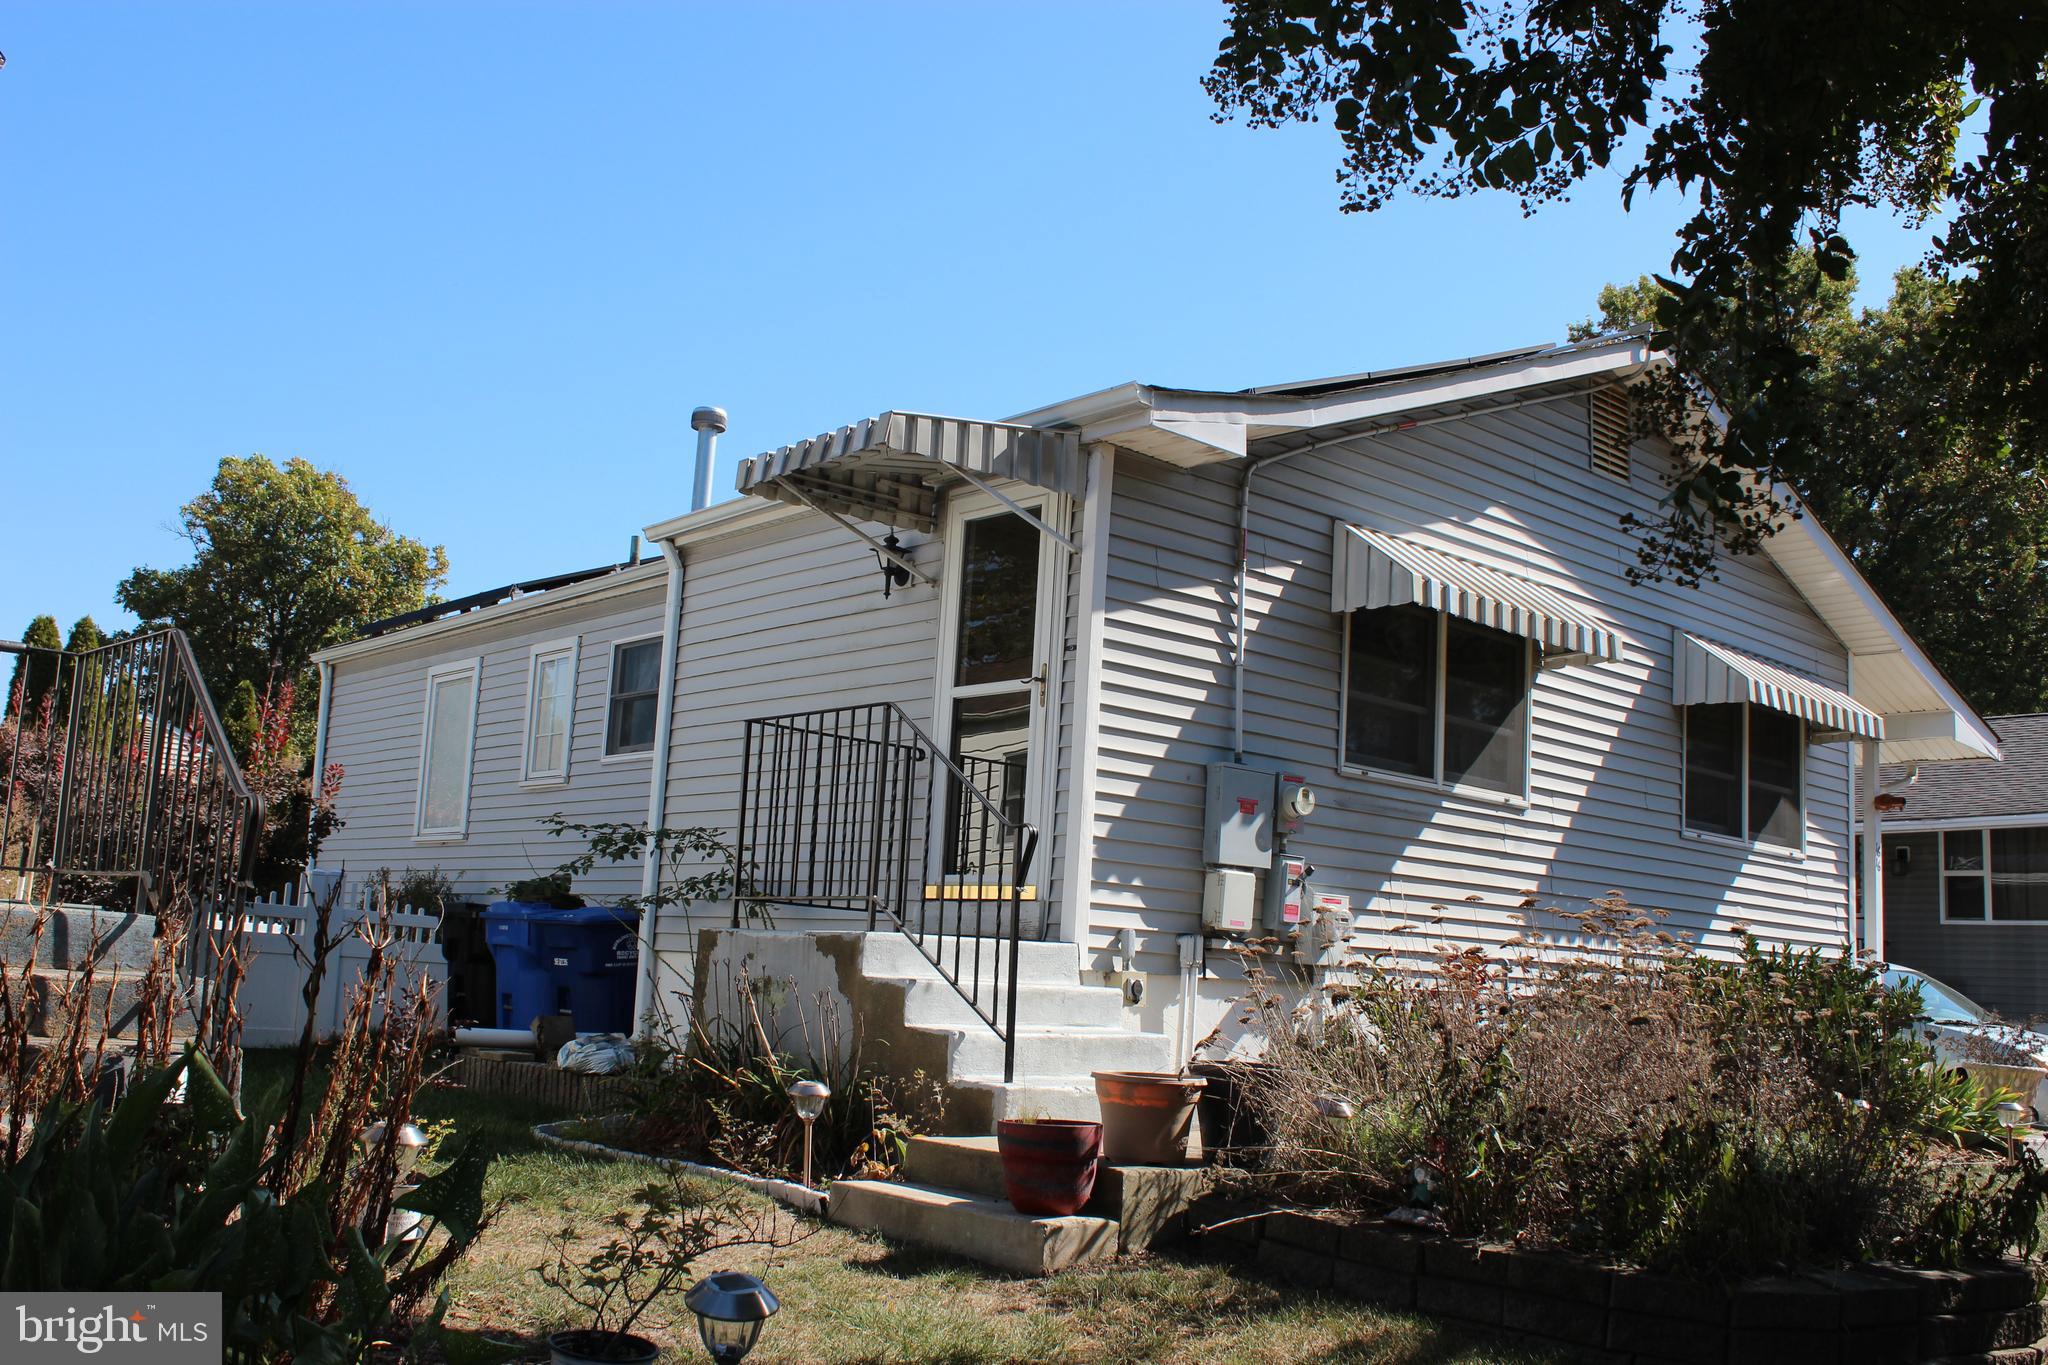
point(894, 575)
point(1330, 1107)
point(808, 1098)
point(731, 1309)
point(1888, 803)
point(2011, 1114)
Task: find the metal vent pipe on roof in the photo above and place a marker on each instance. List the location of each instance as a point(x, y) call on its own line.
point(708, 423)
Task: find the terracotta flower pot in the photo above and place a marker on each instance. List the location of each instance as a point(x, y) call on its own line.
point(1048, 1164)
point(1146, 1116)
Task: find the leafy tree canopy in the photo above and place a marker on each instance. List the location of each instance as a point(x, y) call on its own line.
point(286, 561)
point(34, 677)
point(1775, 119)
point(1936, 501)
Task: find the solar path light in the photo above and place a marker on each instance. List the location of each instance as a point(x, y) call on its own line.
point(731, 1309)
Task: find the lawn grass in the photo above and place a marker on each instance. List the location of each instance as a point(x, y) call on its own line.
point(854, 1299)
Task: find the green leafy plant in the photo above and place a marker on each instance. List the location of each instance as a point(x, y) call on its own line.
point(550, 888)
point(649, 1250)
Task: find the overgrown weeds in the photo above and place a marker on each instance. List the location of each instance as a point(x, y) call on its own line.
point(1627, 1096)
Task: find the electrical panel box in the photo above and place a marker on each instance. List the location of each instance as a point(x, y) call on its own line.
point(1227, 901)
point(1286, 889)
point(1238, 828)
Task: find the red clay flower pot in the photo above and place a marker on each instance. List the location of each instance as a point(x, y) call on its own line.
point(1048, 1164)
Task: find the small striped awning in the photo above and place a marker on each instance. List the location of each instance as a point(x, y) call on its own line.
point(1375, 569)
point(889, 469)
point(1710, 673)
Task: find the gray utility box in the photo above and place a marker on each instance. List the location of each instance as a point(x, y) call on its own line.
point(1238, 828)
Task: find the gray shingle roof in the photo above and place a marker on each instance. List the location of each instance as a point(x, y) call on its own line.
point(1967, 789)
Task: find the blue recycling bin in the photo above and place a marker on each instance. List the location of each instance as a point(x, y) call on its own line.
point(580, 962)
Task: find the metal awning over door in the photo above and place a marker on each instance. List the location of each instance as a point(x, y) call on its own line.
point(890, 469)
point(1375, 569)
point(1709, 673)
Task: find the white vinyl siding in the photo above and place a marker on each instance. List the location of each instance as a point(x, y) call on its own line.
point(376, 712)
point(447, 746)
point(1512, 491)
point(550, 711)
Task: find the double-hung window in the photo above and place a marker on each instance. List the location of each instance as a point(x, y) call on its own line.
point(447, 746)
point(1744, 773)
point(550, 711)
point(1430, 696)
point(1995, 875)
point(635, 687)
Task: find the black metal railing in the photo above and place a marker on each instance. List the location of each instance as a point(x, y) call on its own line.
point(122, 789)
point(837, 810)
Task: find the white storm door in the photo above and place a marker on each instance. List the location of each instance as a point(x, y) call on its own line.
point(997, 682)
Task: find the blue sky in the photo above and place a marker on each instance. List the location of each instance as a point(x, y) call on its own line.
point(483, 260)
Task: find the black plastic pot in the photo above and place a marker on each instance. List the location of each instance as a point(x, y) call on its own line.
point(1231, 1132)
point(585, 1347)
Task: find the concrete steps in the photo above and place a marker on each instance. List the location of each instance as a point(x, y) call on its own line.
point(951, 1198)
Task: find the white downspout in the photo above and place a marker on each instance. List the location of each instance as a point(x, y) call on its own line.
point(657, 788)
point(1871, 875)
point(319, 750)
point(707, 422)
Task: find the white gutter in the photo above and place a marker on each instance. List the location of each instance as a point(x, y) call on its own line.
point(657, 789)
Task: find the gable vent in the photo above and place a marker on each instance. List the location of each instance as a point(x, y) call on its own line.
point(1611, 431)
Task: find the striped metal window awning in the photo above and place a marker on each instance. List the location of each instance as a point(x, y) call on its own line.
point(889, 469)
point(1375, 569)
point(1710, 673)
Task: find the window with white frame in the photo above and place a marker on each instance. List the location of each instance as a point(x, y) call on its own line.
point(1745, 773)
point(446, 749)
point(1430, 696)
point(629, 713)
point(1990, 875)
point(550, 711)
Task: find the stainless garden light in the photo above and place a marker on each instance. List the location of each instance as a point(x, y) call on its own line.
point(809, 1099)
point(731, 1309)
point(409, 1147)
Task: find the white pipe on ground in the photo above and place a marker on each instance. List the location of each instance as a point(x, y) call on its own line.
point(493, 1037)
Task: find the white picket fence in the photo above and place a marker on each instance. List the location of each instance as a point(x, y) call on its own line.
point(277, 947)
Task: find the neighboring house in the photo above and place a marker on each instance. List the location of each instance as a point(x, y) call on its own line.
point(1966, 870)
point(1117, 622)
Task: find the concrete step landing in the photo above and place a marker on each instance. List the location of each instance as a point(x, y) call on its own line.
point(972, 1225)
point(951, 1198)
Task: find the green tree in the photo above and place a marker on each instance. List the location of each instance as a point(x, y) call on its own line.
point(33, 677)
point(286, 561)
point(1772, 119)
point(1935, 499)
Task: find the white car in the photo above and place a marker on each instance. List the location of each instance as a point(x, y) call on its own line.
point(1969, 1038)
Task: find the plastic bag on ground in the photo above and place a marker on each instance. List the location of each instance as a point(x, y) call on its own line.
point(596, 1054)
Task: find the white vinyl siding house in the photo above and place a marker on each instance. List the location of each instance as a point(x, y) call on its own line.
point(1516, 492)
point(1411, 591)
point(528, 665)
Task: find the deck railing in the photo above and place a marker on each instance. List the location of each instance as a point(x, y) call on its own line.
point(837, 809)
point(121, 786)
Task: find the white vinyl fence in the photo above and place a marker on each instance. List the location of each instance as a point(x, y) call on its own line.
point(277, 952)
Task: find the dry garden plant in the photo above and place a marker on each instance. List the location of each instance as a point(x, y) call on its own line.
point(275, 1200)
point(717, 1089)
point(1611, 1090)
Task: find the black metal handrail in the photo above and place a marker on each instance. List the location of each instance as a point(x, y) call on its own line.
point(119, 772)
point(837, 807)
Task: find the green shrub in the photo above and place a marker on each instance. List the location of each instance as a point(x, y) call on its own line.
point(1628, 1097)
